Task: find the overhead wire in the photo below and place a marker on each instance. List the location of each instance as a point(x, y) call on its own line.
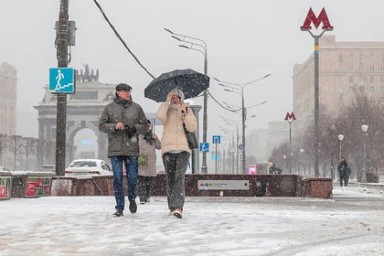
point(221, 105)
point(134, 56)
point(121, 39)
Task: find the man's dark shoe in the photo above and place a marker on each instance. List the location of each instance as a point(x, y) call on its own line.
point(118, 213)
point(132, 206)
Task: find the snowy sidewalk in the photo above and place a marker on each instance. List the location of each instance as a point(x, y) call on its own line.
point(210, 226)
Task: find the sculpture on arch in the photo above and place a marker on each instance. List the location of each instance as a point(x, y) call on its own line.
point(87, 75)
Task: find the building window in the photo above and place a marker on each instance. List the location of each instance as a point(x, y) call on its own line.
point(340, 62)
point(372, 79)
point(340, 58)
point(372, 68)
point(85, 95)
point(361, 62)
point(350, 63)
point(372, 64)
point(351, 79)
point(371, 89)
point(340, 80)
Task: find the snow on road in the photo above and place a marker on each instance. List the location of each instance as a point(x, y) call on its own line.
point(210, 226)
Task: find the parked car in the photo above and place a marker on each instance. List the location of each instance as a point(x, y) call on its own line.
point(3, 168)
point(88, 167)
point(48, 168)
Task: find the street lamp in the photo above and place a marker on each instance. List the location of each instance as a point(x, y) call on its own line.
point(364, 127)
point(301, 152)
point(204, 50)
point(340, 137)
point(290, 117)
point(240, 90)
point(227, 121)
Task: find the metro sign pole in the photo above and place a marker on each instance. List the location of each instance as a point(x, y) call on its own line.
point(311, 18)
point(290, 117)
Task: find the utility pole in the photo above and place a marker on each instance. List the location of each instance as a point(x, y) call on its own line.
point(61, 110)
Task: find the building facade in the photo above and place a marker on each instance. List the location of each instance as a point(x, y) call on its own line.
point(8, 99)
point(345, 68)
point(260, 143)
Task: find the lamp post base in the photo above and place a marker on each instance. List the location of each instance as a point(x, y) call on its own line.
point(204, 169)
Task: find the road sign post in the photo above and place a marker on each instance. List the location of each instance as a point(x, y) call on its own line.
point(216, 139)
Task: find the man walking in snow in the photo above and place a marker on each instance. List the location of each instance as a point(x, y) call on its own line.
point(123, 120)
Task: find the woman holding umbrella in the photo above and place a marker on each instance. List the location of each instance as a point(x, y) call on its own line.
point(174, 113)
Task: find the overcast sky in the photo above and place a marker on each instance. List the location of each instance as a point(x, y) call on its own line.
point(246, 40)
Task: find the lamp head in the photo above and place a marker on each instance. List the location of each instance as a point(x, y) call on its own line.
point(168, 30)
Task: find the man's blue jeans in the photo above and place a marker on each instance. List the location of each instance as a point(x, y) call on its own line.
point(131, 167)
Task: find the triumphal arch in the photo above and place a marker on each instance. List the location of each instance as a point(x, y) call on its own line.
point(84, 108)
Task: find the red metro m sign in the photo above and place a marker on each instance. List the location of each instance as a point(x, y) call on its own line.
point(311, 18)
point(290, 117)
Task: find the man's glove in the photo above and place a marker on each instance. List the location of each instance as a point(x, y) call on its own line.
point(130, 131)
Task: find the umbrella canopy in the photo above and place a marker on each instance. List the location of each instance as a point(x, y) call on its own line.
point(192, 83)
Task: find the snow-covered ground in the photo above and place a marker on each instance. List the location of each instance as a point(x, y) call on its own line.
point(352, 223)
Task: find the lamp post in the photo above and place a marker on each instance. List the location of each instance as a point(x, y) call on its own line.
point(227, 121)
point(229, 151)
point(364, 127)
point(290, 117)
point(340, 137)
point(204, 50)
point(300, 153)
point(240, 90)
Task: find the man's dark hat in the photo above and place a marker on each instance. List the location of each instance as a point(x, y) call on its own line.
point(123, 87)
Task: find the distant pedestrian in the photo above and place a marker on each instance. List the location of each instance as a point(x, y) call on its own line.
point(148, 142)
point(344, 172)
point(123, 120)
point(174, 147)
point(272, 168)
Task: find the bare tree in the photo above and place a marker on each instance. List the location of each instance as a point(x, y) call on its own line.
point(29, 147)
point(3, 145)
point(14, 146)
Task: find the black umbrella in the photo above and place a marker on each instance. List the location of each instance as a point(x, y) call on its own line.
point(192, 83)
